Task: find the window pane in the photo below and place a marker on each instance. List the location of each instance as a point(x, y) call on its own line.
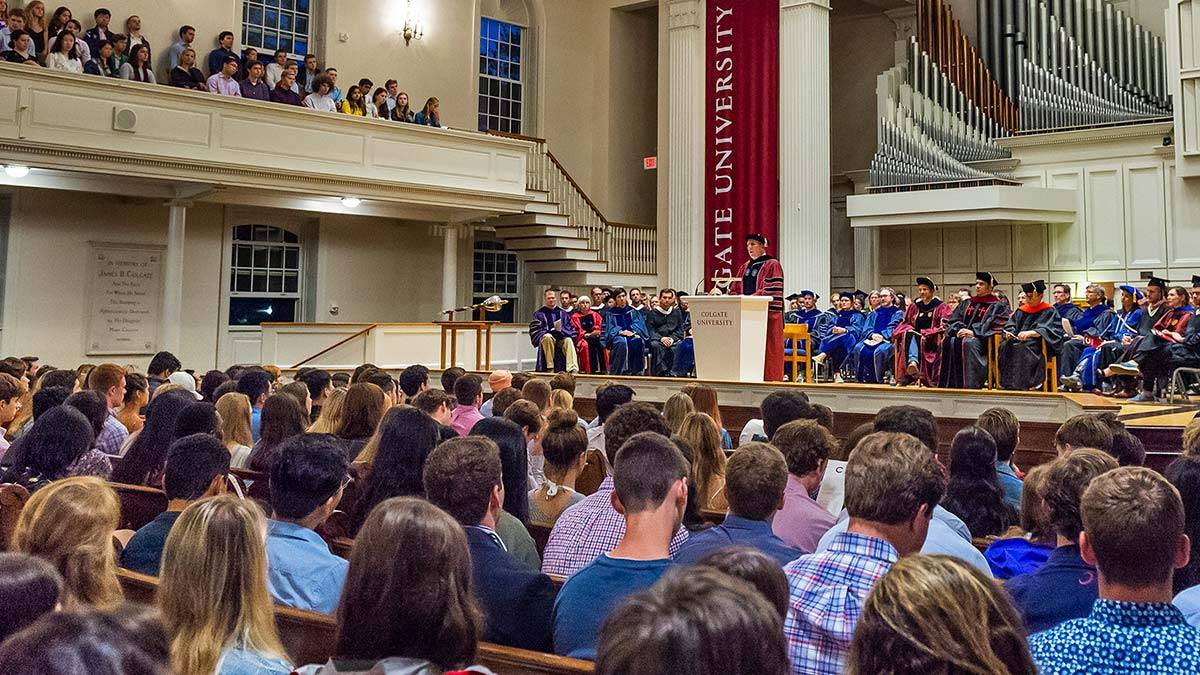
point(505, 108)
point(514, 72)
point(242, 256)
point(260, 256)
point(516, 110)
point(243, 282)
point(275, 282)
point(515, 35)
point(254, 36)
point(514, 53)
point(504, 32)
point(291, 237)
point(271, 41)
point(291, 283)
point(254, 311)
point(302, 6)
point(260, 282)
point(256, 15)
point(302, 25)
point(285, 21)
point(494, 106)
point(483, 126)
point(287, 4)
point(301, 47)
point(276, 258)
point(505, 89)
point(292, 260)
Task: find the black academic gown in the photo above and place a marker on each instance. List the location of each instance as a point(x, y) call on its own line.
point(964, 360)
point(1022, 366)
point(1115, 351)
point(1159, 364)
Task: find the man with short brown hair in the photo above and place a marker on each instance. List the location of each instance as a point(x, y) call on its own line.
point(108, 380)
point(806, 447)
point(1083, 431)
point(755, 478)
point(1006, 431)
point(10, 404)
point(1133, 522)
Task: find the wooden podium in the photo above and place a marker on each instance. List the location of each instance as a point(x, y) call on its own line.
point(730, 335)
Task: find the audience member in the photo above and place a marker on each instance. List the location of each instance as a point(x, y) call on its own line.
point(233, 410)
point(1133, 524)
point(93, 461)
point(320, 387)
point(806, 447)
point(704, 398)
point(108, 380)
point(1065, 586)
point(186, 381)
point(355, 102)
point(223, 81)
point(593, 526)
point(137, 396)
point(498, 381)
point(1031, 546)
point(537, 391)
point(275, 69)
point(133, 28)
point(754, 487)
point(430, 115)
point(138, 67)
point(649, 492)
point(102, 61)
point(14, 29)
point(363, 408)
point(1004, 429)
point(468, 392)
point(307, 479)
point(398, 104)
point(321, 97)
point(187, 35)
point(678, 407)
point(162, 364)
point(335, 92)
point(934, 613)
point(708, 467)
point(755, 568)
point(214, 595)
point(253, 86)
point(144, 461)
point(127, 641)
point(608, 399)
point(386, 384)
point(36, 25)
point(219, 56)
point(893, 483)
point(700, 619)
point(436, 403)
point(409, 602)
point(973, 491)
point(464, 477)
point(564, 446)
point(284, 90)
point(63, 54)
point(1126, 448)
point(393, 460)
point(282, 419)
point(20, 48)
point(256, 385)
point(197, 466)
point(1083, 431)
point(528, 418)
point(414, 380)
point(11, 395)
point(779, 408)
point(499, 404)
point(70, 524)
point(1184, 474)
point(50, 449)
point(29, 588)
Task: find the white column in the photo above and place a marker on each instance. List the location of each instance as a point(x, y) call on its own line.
point(866, 258)
point(450, 266)
point(804, 144)
point(685, 146)
point(172, 304)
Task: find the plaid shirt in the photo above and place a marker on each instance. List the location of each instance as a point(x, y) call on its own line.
point(112, 436)
point(828, 591)
point(588, 529)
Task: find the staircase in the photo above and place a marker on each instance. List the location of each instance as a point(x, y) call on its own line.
point(565, 240)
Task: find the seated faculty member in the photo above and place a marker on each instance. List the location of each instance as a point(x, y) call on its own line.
point(552, 333)
point(650, 492)
point(463, 477)
point(1031, 331)
point(625, 335)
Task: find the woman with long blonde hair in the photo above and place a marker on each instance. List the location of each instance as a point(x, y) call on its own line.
point(704, 398)
point(561, 399)
point(937, 614)
point(234, 410)
point(675, 409)
point(70, 524)
point(331, 413)
point(708, 467)
point(213, 591)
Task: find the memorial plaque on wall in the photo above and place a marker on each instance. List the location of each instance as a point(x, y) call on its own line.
point(125, 289)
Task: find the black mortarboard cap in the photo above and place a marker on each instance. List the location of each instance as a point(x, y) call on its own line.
point(986, 277)
point(754, 236)
point(1155, 281)
point(793, 296)
point(1038, 286)
point(849, 295)
point(1195, 281)
point(860, 294)
point(926, 281)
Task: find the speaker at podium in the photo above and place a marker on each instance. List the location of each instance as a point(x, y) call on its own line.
point(730, 336)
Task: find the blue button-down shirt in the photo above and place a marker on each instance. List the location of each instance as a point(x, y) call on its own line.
point(112, 436)
point(737, 531)
point(1120, 637)
point(1009, 482)
point(1188, 602)
point(827, 593)
point(255, 423)
point(947, 535)
point(301, 572)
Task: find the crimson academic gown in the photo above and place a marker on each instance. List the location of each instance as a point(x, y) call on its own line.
point(1020, 361)
point(926, 322)
point(764, 276)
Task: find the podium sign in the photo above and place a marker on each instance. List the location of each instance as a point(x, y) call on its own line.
point(730, 335)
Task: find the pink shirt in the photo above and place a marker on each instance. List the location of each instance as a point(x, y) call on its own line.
point(463, 419)
point(802, 521)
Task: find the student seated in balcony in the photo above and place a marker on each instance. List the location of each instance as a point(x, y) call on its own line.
point(377, 106)
point(99, 33)
point(20, 49)
point(354, 104)
point(400, 111)
point(430, 115)
point(63, 55)
point(16, 22)
point(335, 91)
point(186, 75)
point(101, 63)
point(133, 28)
point(254, 86)
point(274, 71)
point(285, 90)
point(138, 68)
point(120, 57)
point(306, 78)
point(223, 82)
point(224, 50)
point(186, 35)
point(81, 46)
point(249, 58)
point(320, 98)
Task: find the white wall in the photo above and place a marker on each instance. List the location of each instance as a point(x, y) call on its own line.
point(45, 294)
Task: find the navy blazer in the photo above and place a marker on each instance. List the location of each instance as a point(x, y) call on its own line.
point(517, 603)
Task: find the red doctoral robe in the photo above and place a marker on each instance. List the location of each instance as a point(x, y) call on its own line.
point(930, 345)
point(766, 275)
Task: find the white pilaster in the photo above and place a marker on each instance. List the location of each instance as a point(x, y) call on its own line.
point(866, 257)
point(172, 303)
point(804, 144)
point(450, 266)
point(685, 146)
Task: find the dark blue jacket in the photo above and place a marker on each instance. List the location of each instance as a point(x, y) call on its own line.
point(516, 602)
point(1063, 588)
point(737, 531)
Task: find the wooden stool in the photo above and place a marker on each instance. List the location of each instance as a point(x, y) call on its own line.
point(483, 342)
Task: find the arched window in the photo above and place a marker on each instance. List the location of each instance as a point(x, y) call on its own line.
point(264, 283)
point(507, 67)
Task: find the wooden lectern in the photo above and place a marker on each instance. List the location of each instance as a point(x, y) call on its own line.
point(483, 342)
point(730, 335)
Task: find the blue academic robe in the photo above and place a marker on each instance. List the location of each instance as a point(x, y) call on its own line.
point(805, 316)
point(626, 353)
point(837, 346)
point(869, 362)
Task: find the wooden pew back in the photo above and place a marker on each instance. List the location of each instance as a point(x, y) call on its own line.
point(310, 637)
point(12, 500)
point(139, 504)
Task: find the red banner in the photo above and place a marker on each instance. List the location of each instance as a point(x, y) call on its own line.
point(741, 168)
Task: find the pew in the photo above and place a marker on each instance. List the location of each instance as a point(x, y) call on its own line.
point(593, 473)
point(541, 535)
point(139, 504)
point(12, 500)
point(310, 637)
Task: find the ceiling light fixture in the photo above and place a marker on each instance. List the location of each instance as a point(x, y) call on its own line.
point(351, 202)
point(16, 171)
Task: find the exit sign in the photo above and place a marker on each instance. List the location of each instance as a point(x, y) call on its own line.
point(649, 163)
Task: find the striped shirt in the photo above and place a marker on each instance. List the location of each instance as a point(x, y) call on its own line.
point(827, 593)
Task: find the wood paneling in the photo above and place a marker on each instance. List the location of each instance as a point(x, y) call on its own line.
point(1067, 240)
point(1105, 217)
point(1029, 248)
point(1145, 215)
point(893, 251)
point(995, 247)
point(958, 251)
point(926, 247)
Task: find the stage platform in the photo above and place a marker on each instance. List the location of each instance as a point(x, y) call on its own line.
point(1160, 427)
